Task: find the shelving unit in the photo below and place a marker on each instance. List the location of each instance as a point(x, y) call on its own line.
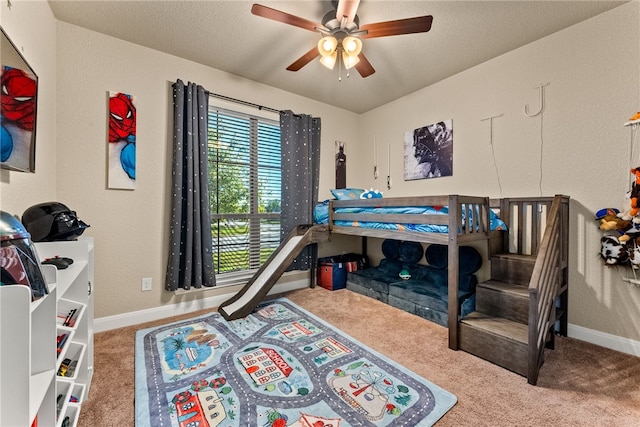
point(27, 389)
point(28, 331)
point(74, 295)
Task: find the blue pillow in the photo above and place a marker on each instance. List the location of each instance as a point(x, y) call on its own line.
point(410, 252)
point(346, 193)
point(469, 260)
point(391, 248)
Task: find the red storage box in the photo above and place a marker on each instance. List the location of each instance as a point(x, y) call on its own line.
point(332, 271)
point(332, 275)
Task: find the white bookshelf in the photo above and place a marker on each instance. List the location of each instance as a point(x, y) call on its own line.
point(27, 354)
point(74, 292)
point(29, 360)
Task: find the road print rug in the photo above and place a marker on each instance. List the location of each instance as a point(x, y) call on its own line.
point(281, 366)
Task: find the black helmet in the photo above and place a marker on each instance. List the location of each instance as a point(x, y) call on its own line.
point(21, 264)
point(52, 221)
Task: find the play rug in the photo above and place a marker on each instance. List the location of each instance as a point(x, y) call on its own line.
point(280, 366)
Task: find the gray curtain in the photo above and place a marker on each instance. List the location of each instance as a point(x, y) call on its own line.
point(300, 136)
point(190, 261)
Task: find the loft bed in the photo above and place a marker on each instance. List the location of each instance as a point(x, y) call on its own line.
point(451, 220)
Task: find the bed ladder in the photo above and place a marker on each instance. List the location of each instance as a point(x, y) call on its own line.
point(524, 304)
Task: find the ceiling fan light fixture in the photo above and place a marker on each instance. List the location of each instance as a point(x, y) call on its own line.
point(329, 61)
point(327, 46)
point(349, 61)
point(352, 46)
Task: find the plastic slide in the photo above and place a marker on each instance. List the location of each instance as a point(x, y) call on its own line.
point(246, 300)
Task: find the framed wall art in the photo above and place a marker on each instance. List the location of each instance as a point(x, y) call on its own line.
point(18, 108)
point(122, 141)
point(428, 151)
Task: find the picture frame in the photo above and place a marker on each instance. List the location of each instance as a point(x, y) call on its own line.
point(121, 141)
point(428, 151)
point(18, 109)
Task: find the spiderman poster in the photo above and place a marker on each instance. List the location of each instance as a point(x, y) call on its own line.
point(122, 141)
point(18, 103)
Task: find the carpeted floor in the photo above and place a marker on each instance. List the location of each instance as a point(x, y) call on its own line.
point(580, 384)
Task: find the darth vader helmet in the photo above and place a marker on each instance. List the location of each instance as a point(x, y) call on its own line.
point(19, 262)
point(52, 221)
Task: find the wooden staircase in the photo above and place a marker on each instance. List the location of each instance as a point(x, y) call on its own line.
point(521, 308)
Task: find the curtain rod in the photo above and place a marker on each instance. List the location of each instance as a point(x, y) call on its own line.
point(239, 101)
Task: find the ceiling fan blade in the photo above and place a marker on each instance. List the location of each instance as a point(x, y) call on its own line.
point(287, 18)
point(304, 59)
point(364, 66)
point(419, 24)
point(348, 9)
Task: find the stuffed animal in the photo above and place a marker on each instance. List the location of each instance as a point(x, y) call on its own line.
point(371, 194)
point(606, 211)
point(610, 220)
point(613, 222)
point(635, 192)
point(612, 251)
point(633, 252)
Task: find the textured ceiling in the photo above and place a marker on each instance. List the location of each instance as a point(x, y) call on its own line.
point(225, 35)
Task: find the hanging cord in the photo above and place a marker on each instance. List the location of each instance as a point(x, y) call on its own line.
point(493, 153)
point(541, 152)
point(527, 113)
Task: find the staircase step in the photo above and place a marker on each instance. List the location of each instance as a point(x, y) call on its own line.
point(502, 299)
point(512, 268)
point(497, 340)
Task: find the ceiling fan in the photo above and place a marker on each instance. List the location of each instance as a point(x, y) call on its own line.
point(342, 34)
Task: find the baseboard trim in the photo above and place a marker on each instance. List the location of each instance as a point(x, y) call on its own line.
point(614, 342)
point(136, 317)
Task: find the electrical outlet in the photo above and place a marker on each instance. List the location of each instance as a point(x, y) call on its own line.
point(146, 284)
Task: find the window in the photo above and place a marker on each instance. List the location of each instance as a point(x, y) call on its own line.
point(244, 185)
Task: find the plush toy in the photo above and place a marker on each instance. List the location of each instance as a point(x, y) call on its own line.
point(371, 194)
point(610, 220)
point(606, 211)
point(405, 275)
point(635, 192)
point(612, 251)
point(633, 253)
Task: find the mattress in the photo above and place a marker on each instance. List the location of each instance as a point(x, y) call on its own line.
point(321, 216)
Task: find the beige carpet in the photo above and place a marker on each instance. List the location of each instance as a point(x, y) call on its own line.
point(580, 384)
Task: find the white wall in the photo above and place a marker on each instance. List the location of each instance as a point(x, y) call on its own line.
point(578, 146)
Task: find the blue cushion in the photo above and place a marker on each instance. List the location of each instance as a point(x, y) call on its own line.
point(390, 267)
point(410, 252)
point(391, 248)
point(469, 260)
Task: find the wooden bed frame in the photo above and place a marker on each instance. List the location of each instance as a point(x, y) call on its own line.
point(475, 228)
point(537, 238)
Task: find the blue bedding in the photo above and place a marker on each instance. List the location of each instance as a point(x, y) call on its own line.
point(321, 216)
